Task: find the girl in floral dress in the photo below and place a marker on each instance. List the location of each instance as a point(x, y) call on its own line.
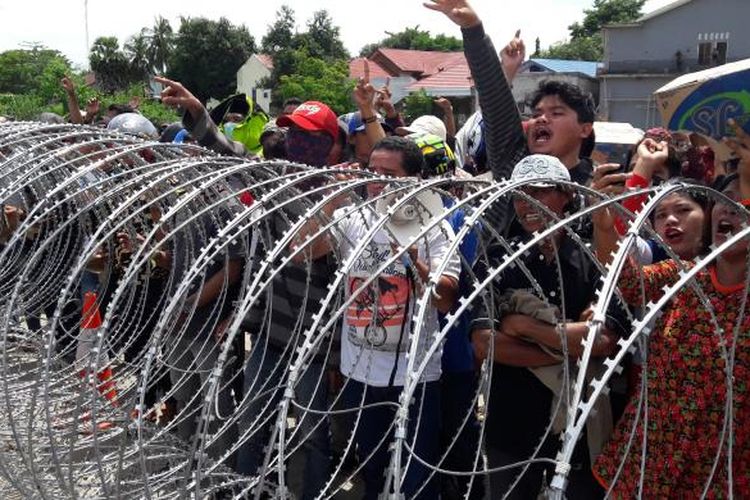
point(677, 444)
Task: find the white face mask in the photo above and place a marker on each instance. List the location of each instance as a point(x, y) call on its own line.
point(229, 130)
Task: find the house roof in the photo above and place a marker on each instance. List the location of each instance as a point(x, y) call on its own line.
point(436, 72)
point(266, 60)
point(588, 68)
point(453, 78)
point(419, 62)
point(357, 69)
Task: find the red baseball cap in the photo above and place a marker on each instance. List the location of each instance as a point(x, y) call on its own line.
point(312, 116)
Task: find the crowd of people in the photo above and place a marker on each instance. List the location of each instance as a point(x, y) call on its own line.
point(663, 431)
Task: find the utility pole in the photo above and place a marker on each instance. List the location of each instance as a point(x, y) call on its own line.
point(86, 23)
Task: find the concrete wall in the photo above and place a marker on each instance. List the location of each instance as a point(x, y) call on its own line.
point(640, 59)
point(630, 99)
point(651, 47)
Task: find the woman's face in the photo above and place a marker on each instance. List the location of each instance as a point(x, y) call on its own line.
point(679, 220)
point(726, 221)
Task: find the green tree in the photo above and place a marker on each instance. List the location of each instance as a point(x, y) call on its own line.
point(280, 34)
point(417, 104)
point(300, 58)
point(110, 64)
point(152, 109)
point(414, 39)
point(323, 39)
point(319, 80)
point(161, 45)
point(137, 51)
point(579, 49)
point(207, 55)
point(23, 71)
point(586, 41)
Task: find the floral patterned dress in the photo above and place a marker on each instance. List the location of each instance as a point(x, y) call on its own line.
point(686, 401)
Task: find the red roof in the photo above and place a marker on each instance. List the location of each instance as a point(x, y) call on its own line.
point(433, 70)
point(266, 60)
point(357, 69)
point(457, 76)
point(421, 62)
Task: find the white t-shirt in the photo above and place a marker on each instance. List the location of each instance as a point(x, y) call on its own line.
point(377, 325)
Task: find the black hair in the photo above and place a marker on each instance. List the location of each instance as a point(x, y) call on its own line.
point(169, 132)
point(579, 101)
point(412, 158)
point(274, 144)
point(119, 109)
point(697, 195)
point(292, 101)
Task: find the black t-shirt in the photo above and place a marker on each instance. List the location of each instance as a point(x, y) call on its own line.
point(518, 410)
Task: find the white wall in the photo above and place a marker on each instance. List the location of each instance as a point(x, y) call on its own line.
point(248, 77)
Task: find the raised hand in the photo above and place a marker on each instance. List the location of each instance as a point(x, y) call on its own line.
point(458, 11)
point(176, 95)
point(444, 104)
point(513, 55)
point(383, 101)
point(134, 102)
point(92, 107)
point(651, 155)
point(364, 92)
point(68, 85)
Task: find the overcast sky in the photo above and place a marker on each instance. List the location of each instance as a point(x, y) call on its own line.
point(59, 24)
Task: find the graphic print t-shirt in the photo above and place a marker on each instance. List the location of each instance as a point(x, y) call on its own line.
point(377, 327)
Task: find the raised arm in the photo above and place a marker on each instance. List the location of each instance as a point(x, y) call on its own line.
point(74, 110)
point(384, 104)
point(504, 138)
point(512, 57)
point(197, 120)
point(364, 96)
point(448, 119)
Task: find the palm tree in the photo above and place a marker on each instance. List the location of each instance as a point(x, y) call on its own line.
point(161, 45)
point(137, 49)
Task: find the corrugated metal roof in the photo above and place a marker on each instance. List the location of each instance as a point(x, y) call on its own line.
point(562, 66)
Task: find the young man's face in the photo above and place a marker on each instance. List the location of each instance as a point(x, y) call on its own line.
point(531, 217)
point(554, 129)
point(385, 162)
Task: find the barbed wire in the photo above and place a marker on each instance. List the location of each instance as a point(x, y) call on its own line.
point(168, 329)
